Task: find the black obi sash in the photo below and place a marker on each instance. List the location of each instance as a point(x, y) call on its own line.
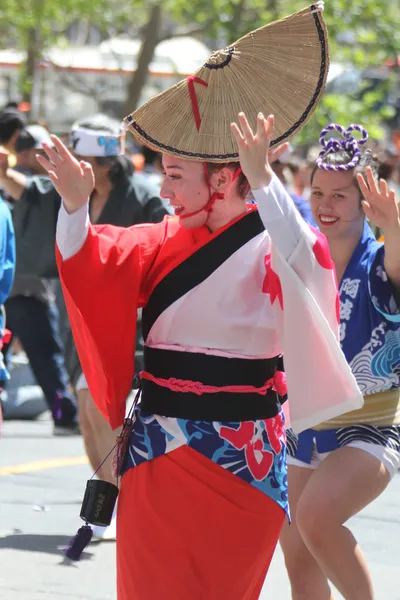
point(208, 370)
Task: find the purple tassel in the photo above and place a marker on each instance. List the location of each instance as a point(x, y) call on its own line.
point(78, 543)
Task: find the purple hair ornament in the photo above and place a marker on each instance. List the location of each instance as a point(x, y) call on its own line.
point(349, 143)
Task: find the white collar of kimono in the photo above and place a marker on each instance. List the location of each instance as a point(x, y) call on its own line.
point(87, 142)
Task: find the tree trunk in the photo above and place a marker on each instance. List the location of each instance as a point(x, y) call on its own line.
point(151, 37)
point(235, 22)
point(32, 56)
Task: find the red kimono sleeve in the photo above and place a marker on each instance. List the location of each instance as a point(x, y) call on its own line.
point(102, 290)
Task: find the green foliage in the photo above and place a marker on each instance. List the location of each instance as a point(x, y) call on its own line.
point(362, 33)
point(48, 17)
point(342, 109)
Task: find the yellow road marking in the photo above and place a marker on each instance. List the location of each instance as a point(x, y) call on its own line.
point(40, 465)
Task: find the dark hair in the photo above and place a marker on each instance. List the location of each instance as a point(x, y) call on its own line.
point(243, 186)
point(149, 155)
point(343, 157)
point(10, 121)
point(121, 166)
point(386, 170)
point(24, 141)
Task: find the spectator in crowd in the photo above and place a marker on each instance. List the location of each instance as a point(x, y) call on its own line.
point(11, 123)
point(32, 313)
point(7, 267)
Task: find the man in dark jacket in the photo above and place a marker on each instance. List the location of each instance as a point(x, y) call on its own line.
point(32, 313)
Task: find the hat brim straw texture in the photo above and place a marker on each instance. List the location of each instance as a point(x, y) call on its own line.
point(279, 69)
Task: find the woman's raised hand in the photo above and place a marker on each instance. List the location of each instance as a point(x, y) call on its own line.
point(73, 179)
point(379, 203)
point(254, 149)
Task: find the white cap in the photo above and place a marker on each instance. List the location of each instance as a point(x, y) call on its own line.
point(89, 142)
point(40, 135)
point(32, 137)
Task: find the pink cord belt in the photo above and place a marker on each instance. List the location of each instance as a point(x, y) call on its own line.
point(197, 386)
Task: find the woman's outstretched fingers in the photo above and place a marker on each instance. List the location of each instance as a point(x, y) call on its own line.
point(46, 164)
point(61, 148)
point(260, 126)
point(362, 183)
point(269, 125)
point(384, 187)
point(247, 132)
point(52, 154)
point(86, 168)
point(252, 150)
point(275, 153)
point(372, 184)
point(237, 133)
point(73, 179)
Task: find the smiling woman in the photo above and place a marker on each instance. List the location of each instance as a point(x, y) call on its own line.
point(350, 459)
point(336, 197)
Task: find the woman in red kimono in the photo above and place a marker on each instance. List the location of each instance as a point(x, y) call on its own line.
point(225, 287)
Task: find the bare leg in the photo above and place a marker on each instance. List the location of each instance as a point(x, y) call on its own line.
point(97, 434)
point(347, 481)
point(99, 439)
point(307, 580)
point(88, 434)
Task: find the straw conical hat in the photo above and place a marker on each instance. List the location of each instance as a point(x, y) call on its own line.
point(278, 69)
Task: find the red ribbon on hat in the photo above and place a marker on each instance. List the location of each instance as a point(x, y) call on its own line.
point(191, 80)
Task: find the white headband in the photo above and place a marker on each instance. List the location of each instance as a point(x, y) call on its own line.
point(88, 142)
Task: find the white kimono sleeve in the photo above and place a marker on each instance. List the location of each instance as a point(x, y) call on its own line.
point(72, 230)
point(319, 380)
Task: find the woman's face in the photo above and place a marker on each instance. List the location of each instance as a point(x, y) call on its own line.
point(335, 203)
point(185, 187)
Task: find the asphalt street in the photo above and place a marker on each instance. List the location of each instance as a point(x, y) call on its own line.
point(42, 480)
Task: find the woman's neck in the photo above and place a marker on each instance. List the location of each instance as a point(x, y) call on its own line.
point(225, 211)
point(102, 188)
